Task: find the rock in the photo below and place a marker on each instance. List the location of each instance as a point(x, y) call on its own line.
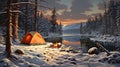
point(30, 66)
point(75, 51)
point(116, 55)
point(31, 50)
point(59, 62)
point(93, 50)
point(72, 59)
point(111, 61)
point(38, 55)
point(73, 63)
point(18, 51)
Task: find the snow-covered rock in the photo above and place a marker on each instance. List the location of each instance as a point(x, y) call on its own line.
point(93, 50)
point(20, 52)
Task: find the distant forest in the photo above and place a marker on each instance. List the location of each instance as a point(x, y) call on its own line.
point(108, 23)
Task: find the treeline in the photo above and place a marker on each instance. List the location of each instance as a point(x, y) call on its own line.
point(108, 23)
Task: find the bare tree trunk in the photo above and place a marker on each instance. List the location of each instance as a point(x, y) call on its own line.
point(26, 19)
point(9, 30)
point(15, 33)
point(35, 25)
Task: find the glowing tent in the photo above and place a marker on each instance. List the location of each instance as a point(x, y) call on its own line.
point(33, 38)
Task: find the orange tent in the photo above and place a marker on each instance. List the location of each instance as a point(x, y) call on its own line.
point(33, 38)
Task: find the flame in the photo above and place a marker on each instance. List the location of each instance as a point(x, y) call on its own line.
point(55, 45)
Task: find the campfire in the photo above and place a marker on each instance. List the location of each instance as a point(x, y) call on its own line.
point(55, 45)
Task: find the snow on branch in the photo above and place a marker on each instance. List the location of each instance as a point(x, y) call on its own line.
point(22, 3)
point(2, 12)
point(14, 11)
point(45, 7)
point(19, 3)
point(44, 1)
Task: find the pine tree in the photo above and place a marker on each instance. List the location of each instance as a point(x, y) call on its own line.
point(53, 21)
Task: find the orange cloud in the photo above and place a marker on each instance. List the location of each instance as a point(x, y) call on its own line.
point(71, 21)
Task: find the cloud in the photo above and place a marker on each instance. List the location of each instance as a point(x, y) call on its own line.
point(101, 6)
point(75, 9)
point(67, 3)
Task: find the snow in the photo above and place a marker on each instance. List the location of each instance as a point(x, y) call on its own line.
point(106, 38)
point(114, 58)
point(42, 56)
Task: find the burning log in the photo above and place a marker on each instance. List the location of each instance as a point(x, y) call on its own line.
point(55, 45)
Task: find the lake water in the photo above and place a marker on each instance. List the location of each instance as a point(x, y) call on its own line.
point(71, 40)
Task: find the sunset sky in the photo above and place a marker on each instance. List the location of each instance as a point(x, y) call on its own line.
point(75, 11)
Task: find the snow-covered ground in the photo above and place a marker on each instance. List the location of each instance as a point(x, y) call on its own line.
point(42, 56)
point(106, 38)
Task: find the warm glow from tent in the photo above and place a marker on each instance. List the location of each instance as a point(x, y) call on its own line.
point(28, 37)
point(33, 38)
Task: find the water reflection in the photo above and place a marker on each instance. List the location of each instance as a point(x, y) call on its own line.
point(71, 39)
point(70, 42)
